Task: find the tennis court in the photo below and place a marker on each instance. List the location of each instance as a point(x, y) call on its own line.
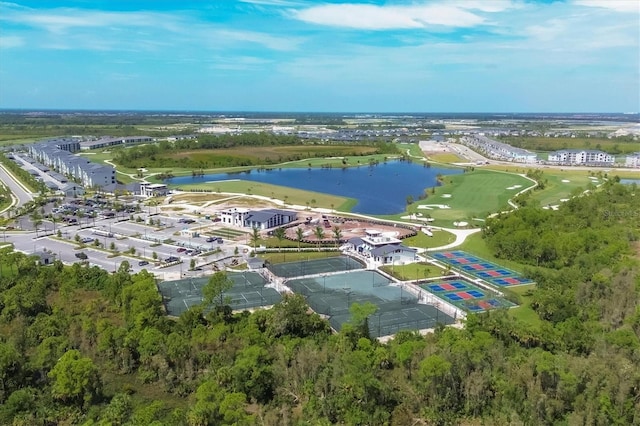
point(488, 271)
point(333, 295)
point(314, 266)
point(248, 292)
point(465, 295)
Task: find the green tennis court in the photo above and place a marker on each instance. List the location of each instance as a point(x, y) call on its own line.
point(333, 295)
point(314, 266)
point(248, 292)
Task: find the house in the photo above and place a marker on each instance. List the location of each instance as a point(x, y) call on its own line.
point(581, 156)
point(382, 249)
point(268, 218)
point(633, 160)
point(234, 216)
point(260, 219)
point(153, 189)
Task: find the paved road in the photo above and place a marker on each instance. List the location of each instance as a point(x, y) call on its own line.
point(22, 195)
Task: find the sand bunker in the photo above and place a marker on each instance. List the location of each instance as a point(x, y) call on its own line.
point(446, 195)
point(564, 200)
point(460, 224)
point(433, 206)
point(565, 181)
point(514, 187)
point(554, 207)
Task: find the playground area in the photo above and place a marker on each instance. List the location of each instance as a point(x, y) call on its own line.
point(397, 309)
point(248, 292)
point(315, 266)
point(466, 295)
point(488, 271)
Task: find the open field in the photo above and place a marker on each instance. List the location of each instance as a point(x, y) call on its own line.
point(612, 146)
point(414, 271)
point(288, 195)
point(445, 157)
point(421, 240)
point(267, 154)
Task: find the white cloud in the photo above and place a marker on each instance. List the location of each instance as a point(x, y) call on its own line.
point(371, 17)
point(617, 5)
point(7, 42)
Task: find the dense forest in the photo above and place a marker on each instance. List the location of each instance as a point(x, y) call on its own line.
point(213, 151)
point(81, 346)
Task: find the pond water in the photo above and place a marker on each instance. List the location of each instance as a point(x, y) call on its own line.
point(380, 189)
point(630, 181)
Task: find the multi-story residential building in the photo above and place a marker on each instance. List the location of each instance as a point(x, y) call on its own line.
point(633, 160)
point(499, 150)
point(62, 161)
point(581, 156)
point(107, 142)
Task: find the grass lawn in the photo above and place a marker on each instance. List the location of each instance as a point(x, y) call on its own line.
point(297, 256)
point(476, 245)
point(445, 157)
point(524, 312)
point(474, 194)
point(288, 195)
point(421, 240)
point(413, 271)
point(560, 185)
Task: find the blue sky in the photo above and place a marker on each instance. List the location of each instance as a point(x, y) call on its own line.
point(330, 56)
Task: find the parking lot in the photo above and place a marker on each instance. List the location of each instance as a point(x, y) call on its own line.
point(165, 246)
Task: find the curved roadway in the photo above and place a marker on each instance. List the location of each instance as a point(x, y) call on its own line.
point(20, 193)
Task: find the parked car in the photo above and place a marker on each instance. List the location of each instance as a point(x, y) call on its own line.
point(211, 239)
point(82, 255)
point(171, 259)
point(143, 263)
point(87, 240)
point(181, 249)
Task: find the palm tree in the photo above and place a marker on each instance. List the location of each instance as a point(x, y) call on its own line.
point(54, 220)
point(319, 233)
point(280, 234)
point(36, 219)
point(337, 235)
point(255, 237)
point(299, 236)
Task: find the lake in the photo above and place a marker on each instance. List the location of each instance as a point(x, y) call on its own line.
point(630, 181)
point(380, 189)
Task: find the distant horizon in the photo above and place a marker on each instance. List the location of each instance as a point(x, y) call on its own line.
point(204, 111)
point(313, 56)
